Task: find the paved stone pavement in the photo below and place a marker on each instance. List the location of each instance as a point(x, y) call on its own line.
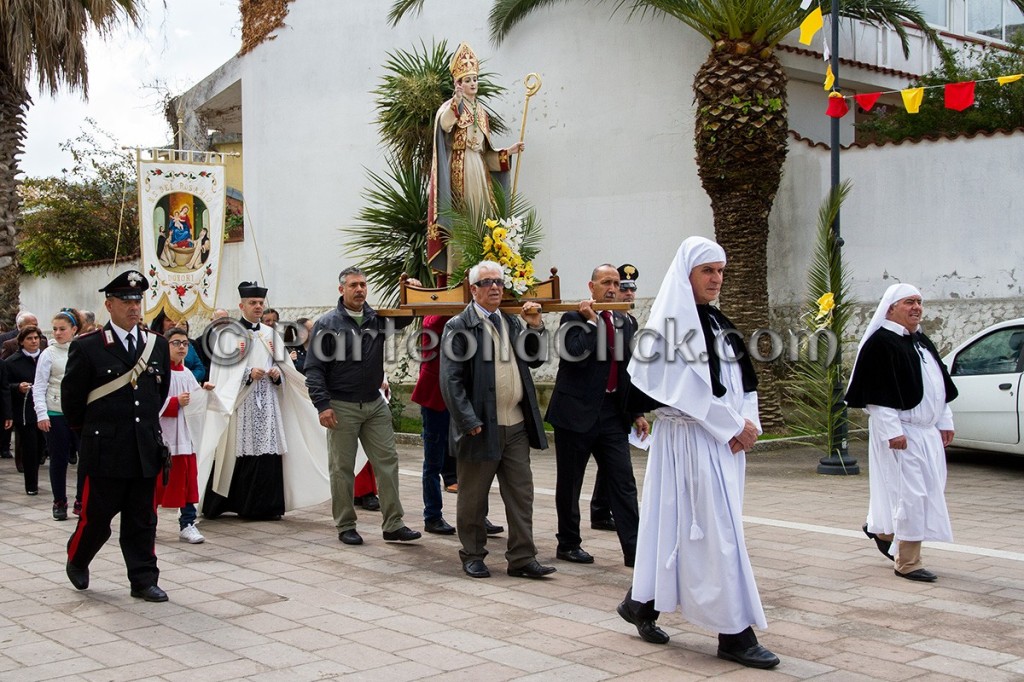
point(286, 601)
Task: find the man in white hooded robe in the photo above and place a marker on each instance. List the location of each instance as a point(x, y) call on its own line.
point(691, 553)
point(902, 384)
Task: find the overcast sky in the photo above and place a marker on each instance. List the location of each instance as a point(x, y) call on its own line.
point(177, 46)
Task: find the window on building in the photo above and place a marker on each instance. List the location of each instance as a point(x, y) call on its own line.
point(998, 19)
point(935, 11)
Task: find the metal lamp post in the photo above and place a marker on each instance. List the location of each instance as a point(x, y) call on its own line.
point(838, 460)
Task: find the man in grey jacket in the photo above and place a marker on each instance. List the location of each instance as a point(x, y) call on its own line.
point(486, 358)
point(344, 373)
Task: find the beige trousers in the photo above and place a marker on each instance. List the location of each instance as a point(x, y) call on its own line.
point(908, 554)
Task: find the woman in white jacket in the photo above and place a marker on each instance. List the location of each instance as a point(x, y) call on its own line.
point(61, 441)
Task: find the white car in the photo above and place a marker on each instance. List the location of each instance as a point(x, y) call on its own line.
point(987, 371)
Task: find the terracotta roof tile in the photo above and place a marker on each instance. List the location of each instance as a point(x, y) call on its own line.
point(926, 138)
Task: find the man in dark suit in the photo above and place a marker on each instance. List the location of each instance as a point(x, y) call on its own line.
point(588, 411)
point(600, 508)
point(485, 380)
point(116, 382)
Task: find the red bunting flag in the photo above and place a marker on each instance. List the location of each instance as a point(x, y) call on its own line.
point(837, 106)
point(959, 96)
point(867, 100)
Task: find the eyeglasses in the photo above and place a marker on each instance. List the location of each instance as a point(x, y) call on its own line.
point(180, 343)
point(489, 282)
point(627, 286)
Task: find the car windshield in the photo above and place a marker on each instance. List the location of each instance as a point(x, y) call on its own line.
point(997, 353)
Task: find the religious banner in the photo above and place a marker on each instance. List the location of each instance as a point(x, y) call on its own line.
point(181, 227)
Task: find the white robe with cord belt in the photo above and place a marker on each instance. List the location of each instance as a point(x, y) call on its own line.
point(907, 487)
point(690, 552)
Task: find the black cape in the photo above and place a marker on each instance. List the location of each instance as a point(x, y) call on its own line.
point(639, 402)
point(888, 371)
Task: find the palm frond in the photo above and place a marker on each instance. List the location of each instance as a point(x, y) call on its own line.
point(467, 231)
point(48, 37)
point(402, 7)
point(414, 85)
point(391, 238)
point(814, 388)
point(891, 14)
point(506, 14)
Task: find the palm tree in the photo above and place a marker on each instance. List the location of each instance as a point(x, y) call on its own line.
point(741, 123)
point(45, 39)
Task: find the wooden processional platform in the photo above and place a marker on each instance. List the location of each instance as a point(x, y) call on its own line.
point(417, 301)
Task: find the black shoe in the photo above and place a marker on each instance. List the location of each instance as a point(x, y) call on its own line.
point(576, 556)
point(883, 545)
point(350, 537)
point(6, 454)
point(370, 502)
point(31, 492)
point(439, 526)
point(531, 570)
point(151, 593)
point(403, 534)
point(73, 458)
point(60, 511)
point(920, 575)
point(476, 569)
point(79, 577)
point(754, 657)
point(493, 529)
point(603, 524)
point(647, 629)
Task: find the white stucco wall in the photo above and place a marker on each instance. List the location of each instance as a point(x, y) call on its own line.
point(943, 215)
point(609, 136)
point(609, 164)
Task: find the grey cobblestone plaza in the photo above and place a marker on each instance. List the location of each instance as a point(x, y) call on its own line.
point(286, 601)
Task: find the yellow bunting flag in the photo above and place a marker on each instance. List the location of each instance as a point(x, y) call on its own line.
point(830, 79)
point(810, 26)
point(912, 98)
point(1003, 80)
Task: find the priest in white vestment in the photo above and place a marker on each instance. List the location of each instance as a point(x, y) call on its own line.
point(900, 381)
point(264, 453)
point(691, 554)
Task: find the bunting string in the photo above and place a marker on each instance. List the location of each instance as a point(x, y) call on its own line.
point(958, 96)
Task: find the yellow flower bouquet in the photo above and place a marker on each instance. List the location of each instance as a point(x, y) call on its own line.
point(510, 238)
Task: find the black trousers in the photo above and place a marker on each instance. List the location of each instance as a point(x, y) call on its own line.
point(600, 508)
point(31, 443)
point(609, 445)
point(102, 498)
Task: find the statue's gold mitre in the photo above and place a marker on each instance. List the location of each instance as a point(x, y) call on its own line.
point(464, 63)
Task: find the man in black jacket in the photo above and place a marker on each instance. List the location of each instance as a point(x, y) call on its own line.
point(485, 380)
point(344, 374)
point(600, 508)
point(116, 382)
point(588, 411)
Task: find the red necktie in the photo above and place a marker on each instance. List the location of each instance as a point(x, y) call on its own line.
point(613, 365)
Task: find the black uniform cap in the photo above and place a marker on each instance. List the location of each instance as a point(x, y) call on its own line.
point(628, 274)
point(128, 286)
